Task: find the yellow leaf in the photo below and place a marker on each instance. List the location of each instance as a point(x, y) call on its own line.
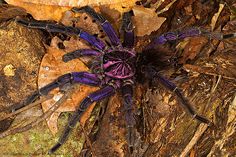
point(54, 10)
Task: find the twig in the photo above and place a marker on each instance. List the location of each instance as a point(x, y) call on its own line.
point(41, 118)
point(45, 98)
point(216, 85)
point(88, 140)
point(200, 131)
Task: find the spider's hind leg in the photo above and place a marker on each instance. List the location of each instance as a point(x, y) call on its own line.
point(107, 27)
point(127, 92)
point(189, 32)
point(172, 87)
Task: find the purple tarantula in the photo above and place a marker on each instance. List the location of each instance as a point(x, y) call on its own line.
point(119, 68)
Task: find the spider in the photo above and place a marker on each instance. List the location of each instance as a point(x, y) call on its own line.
point(118, 70)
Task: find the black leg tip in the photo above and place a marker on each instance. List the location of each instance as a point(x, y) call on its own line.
point(131, 149)
point(226, 36)
point(50, 152)
point(66, 58)
point(211, 124)
point(54, 148)
point(77, 10)
point(204, 120)
point(81, 9)
point(21, 21)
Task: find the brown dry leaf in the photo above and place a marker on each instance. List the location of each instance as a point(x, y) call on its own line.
point(7, 12)
point(54, 10)
point(41, 12)
point(192, 48)
point(52, 67)
point(73, 3)
point(146, 20)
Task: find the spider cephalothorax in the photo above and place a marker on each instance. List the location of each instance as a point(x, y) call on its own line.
point(119, 64)
point(118, 67)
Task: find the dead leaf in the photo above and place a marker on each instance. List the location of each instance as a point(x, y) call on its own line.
point(41, 12)
point(54, 10)
point(7, 12)
point(146, 20)
point(52, 67)
point(192, 48)
point(73, 3)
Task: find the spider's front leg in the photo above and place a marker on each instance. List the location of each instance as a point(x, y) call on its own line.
point(127, 93)
point(107, 27)
point(94, 97)
point(79, 53)
point(172, 87)
point(190, 32)
point(57, 28)
point(69, 78)
point(128, 30)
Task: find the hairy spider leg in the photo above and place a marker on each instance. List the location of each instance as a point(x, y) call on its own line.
point(127, 93)
point(172, 87)
point(94, 97)
point(106, 26)
point(79, 53)
point(128, 30)
point(190, 32)
point(74, 77)
point(68, 30)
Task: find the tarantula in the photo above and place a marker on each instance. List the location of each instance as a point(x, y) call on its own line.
point(118, 70)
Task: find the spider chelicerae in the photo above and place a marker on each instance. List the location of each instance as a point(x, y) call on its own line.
point(118, 70)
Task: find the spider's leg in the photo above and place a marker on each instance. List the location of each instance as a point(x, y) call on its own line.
point(79, 53)
point(57, 28)
point(95, 96)
point(74, 77)
point(171, 86)
point(107, 27)
point(128, 30)
point(127, 93)
point(190, 32)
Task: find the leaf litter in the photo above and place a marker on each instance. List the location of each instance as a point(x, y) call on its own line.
point(189, 54)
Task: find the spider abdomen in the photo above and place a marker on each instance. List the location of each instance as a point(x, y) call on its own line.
point(119, 64)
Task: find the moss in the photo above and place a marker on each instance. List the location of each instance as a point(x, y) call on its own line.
point(38, 141)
